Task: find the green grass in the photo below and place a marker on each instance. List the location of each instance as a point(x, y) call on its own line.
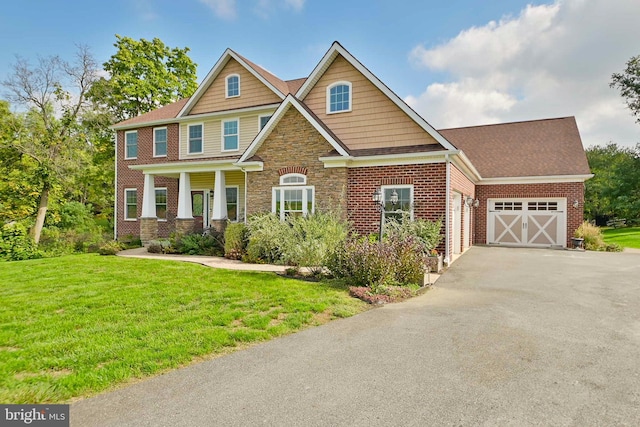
point(627, 237)
point(77, 325)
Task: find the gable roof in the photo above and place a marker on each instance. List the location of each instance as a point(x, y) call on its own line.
point(161, 115)
point(291, 101)
point(549, 147)
point(337, 49)
point(279, 87)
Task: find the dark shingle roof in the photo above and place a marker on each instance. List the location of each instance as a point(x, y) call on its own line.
point(547, 147)
point(167, 112)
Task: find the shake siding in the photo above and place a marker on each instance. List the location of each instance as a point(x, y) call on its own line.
point(374, 122)
point(252, 92)
point(212, 144)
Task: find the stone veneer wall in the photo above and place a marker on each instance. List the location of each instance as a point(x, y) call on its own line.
point(295, 144)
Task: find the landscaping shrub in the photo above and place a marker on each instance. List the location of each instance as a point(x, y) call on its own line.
point(110, 248)
point(267, 238)
point(235, 240)
point(593, 238)
point(427, 232)
point(16, 244)
point(209, 244)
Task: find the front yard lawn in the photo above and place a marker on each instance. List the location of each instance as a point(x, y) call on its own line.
point(78, 325)
point(627, 237)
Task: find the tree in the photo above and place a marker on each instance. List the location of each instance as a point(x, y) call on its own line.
point(614, 191)
point(55, 91)
point(144, 75)
point(628, 82)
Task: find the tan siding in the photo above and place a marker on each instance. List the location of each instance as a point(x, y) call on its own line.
point(252, 92)
point(374, 122)
point(249, 125)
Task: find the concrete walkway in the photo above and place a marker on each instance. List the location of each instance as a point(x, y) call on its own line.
point(509, 337)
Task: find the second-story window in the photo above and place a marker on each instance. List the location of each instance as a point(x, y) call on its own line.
point(233, 85)
point(339, 97)
point(160, 142)
point(230, 135)
point(131, 144)
point(195, 139)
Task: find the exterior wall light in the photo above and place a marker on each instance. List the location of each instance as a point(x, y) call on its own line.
point(576, 204)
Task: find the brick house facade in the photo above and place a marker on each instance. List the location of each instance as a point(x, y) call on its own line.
point(249, 142)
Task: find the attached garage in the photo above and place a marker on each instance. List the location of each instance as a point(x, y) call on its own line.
point(533, 222)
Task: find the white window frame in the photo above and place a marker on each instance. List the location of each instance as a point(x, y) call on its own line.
point(222, 135)
point(126, 146)
point(155, 154)
point(331, 86)
point(226, 85)
point(305, 199)
point(398, 187)
point(166, 203)
point(189, 126)
point(293, 175)
point(237, 188)
point(260, 117)
point(126, 205)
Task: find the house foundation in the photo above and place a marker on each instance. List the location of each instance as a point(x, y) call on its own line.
point(148, 230)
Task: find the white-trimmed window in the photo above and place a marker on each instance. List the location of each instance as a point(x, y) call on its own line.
point(232, 203)
point(160, 142)
point(131, 144)
point(161, 204)
point(233, 85)
point(130, 204)
point(293, 198)
point(195, 134)
point(404, 204)
point(263, 120)
point(231, 135)
point(339, 97)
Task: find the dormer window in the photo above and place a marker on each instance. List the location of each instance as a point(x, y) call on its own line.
point(339, 97)
point(233, 85)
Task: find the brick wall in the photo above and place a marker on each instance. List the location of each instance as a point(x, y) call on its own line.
point(461, 184)
point(429, 189)
point(571, 190)
point(295, 146)
point(128, 178)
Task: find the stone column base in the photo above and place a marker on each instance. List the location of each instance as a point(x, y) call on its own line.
point(219, 225)
point(148, 230)
point(185, 225)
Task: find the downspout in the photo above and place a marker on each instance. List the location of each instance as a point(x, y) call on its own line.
point(245, 194)
point(115, 199)
point(447, 214)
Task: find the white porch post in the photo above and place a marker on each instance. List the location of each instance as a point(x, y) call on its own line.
point(149, 197)
point(185, 210)
point(219, 197)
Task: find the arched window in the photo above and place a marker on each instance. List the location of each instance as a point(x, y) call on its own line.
point(293, 179)
point(233, 85)
point(339, 97)
point(293, 197)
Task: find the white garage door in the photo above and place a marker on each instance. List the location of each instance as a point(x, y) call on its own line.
point(527, 222)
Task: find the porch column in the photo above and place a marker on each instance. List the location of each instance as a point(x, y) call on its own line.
point(219, 217)
point(185, 210)
point(148, 219)
point(149, 197)
point(184, 220)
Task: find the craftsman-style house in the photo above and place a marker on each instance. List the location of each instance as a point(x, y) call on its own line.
point(249, 142)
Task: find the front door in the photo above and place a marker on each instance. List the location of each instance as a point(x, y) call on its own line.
point(197, 205)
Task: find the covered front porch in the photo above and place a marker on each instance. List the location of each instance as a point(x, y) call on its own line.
point(208, 195)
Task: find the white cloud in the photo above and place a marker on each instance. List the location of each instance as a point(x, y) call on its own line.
point(549, 61)
point(225, 9)
point(296, 5)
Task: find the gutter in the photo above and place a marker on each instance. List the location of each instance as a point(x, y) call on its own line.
point(447, 219)
point(115, 189)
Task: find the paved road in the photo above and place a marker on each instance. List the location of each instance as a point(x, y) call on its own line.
point(508, 337)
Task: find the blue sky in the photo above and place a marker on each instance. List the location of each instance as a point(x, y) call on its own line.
point(458, 63)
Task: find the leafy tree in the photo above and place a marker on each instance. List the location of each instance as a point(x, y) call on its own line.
point(628, 82)
point(144, 75)
point(614, 191)
point(55, 92)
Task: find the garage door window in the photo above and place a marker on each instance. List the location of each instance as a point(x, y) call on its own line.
point(542, 206)
point(508, 206)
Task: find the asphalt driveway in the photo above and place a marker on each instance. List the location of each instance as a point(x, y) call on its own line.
point(508, 337)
